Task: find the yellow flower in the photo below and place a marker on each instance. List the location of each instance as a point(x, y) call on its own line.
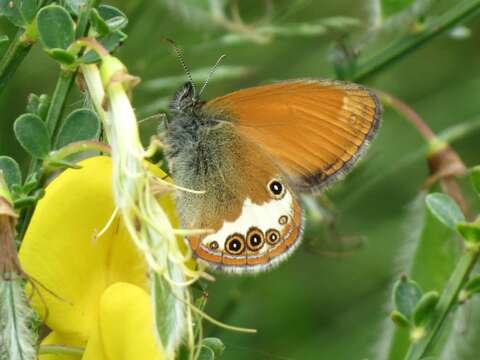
point(99, 296)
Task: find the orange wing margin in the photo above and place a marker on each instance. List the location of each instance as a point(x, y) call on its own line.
point(314, 129)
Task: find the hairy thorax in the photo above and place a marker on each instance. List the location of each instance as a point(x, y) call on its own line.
point(205, 152)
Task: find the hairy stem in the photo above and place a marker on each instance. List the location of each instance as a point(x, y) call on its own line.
point(448, 300)
point(409, 43)
point(16, 52)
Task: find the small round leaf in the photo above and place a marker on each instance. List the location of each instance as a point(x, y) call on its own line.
point(470, 232)
point(445, 209)
point(55, 27)
point(425, 307)
point(11, 171)
point(33, 135)
point(215, 344)
point(406, 294)
point(80, 125)
point(399, 319)
point(62, 56)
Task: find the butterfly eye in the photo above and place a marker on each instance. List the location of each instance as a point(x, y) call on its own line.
point(272, 236)
point(276, 189)
point(235, 244)
point(255, 239)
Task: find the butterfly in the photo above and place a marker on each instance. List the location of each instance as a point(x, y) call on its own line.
point(252, 152)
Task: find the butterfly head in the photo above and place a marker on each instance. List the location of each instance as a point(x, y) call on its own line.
point(185, 99)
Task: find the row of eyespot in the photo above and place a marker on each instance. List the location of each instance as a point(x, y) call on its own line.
point(235, 244)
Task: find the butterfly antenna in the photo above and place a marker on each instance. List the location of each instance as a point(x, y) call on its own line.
point(181, 58)
point(212, 71)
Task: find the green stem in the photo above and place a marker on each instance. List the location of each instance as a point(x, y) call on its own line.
point(409, 43)
point(60, 350)
point(59, 97)
point(448, 300)
point(16, 52)
point(62, 89)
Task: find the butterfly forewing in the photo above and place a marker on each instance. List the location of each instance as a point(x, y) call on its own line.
point(314, 129)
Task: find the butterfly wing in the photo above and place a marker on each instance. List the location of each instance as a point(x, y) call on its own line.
point(253, 214)
point(314, 129)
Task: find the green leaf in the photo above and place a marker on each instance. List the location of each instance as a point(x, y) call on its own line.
point(168, 309)
point(19, 12)
point(109, 42)
point(74, 6)
point(399, 319)
point(55, 27)
point(3, 39)
point(33, 135)
point(425, 308)
point(98, 23)
point(62, 56)
point(115, 18)
point(445, 209)
point(38, 105)
point(215, 344)
point(475, 178)
point(406, 294)
point(470, 232)
point(80, 125)
point(206, 354)
point(429, 256)
point(11, 171)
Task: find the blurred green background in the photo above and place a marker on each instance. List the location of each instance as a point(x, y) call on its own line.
point(313, 306)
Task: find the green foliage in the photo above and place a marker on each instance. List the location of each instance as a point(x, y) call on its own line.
point(445, 209)
point(80, 125)
point(406, 295)
point(425, 307)
point(263, 44)
point(211, 348)
point(20, 12)
point(55, 27)
point(33, 135)
point(38, 105)
point(470, 232)
point(10, 171)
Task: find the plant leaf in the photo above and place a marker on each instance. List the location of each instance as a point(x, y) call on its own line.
point(110, 42)
point(470, 232)
point(214, 344)
point(399, 319)
point(80, 125)
point(115, 18)
point(431, 249)
point(169, 313)
point(19, 12)
point(55, 27)
point(406, 294)
point(445, 209)
point(425, 307)
point(33, 135)
point(11, 171)
point(64, 57)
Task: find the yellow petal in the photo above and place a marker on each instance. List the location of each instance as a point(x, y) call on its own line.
point(59, 339)
point(129, 306)
point(61, 252)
